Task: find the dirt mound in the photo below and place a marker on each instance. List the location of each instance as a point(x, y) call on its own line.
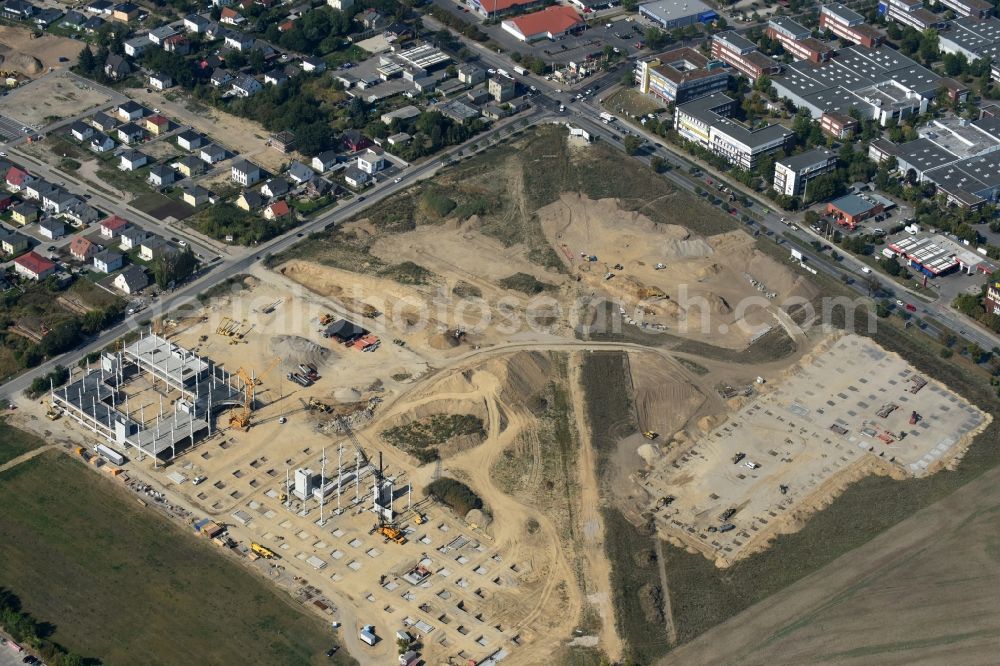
point(522, 376)
point(347, 395)
point(444, 341)
point(694, 248)
point(293, 350)
point(21, 62)
point(718, 304)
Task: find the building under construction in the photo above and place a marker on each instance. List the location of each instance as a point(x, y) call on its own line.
point(196, 388)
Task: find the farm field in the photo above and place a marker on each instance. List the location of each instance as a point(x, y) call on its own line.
point(96, 566)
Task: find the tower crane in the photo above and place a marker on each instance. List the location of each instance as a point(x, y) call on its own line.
point(241, 417)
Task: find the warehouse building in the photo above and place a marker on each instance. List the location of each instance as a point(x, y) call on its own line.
point(673, 14)
point(935, 255)
point(705, 122)
point(792, 174)
point(879, 83)
point(848, 25)
point(550, 23)
point(852, 209)
point(680, 75)
point(742, 54)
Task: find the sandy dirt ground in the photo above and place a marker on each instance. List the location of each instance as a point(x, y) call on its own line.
point(52, 97)
point(913, 595)
point(34, 56)
point(234, 133)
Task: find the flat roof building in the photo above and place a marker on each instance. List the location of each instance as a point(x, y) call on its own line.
point(798, 41)
point(911, 13)
point(851, 209)
point(880, 83)
point(935, 255)
point(705, 122)
point(969, 8)
point(742, 54)
point(972, 38)
point(673, 14)
point(680, 75)
point(792, 174)
point(848, 25)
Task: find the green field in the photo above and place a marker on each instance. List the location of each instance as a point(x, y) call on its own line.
point(14, 442)
point(122, 585)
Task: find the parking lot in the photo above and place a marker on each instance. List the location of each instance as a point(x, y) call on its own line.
point(843, 413)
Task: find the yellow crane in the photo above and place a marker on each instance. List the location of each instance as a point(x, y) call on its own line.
point(263, 551)
point(241, 418)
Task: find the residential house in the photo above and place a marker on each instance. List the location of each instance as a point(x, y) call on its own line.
point(100, 7)
point(246, 86)
point(245, 173)
point(190, 140)
point(154, 247)
point(130, 160)
point(24, 213)
point(212, 154)
point(82, 248)
point(113, 226)
point(195, 196)
point(102, 122)
point(189, 166)
point(132, 280)
point(372, 160)
point(92, 25)
point(342, 5)
point(277, 210)
point(159, 35)
point(159, 81)
point(57, 200)
point(313, 65)
point(129, 111)
point(108, 261)
point(299, 173)
point(371, 19)
point(195, 23)
point(399, 139)
point(283, 142)
point(81, 214)
point(131, 238)
point(354, 140)
point(239, 41)
point(47, 17)
point(156, 124)
point(249, 201)
point(125, 12)
point(178, 44)
point(324, 161)
point(101, 143)
point(162, 175)
point(17, 179)
point(117, 68)
point(221, 77)
point(355, 177)
point(36, 188)
point(470, 74)
point(318, 187)
point(130, 133)
point(230, 16)
point(275, 187)
point(81, 131)
point(18, 10)
point(73, 19)
point(12, 242)
point(51, 229)
point(275, 77)
point(33, 266)
point(136, 46)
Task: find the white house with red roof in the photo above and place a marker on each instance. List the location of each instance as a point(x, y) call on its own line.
point(113, 226)
point(34, 266)
point(277, 210)
point(550, 23)
point(18, 178)
point(83, 249)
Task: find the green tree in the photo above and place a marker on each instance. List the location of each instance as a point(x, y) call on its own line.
point(631, 144)
point(656, 163)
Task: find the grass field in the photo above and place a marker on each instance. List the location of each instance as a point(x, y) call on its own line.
point(120, 584)
point(14, 442)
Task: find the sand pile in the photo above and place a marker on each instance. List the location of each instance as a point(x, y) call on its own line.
point(294, 349)
point(21, 62)
point(347, 395)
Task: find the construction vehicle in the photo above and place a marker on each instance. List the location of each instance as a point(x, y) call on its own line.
point(666, 500)
point(241, 418)
point(738, 457)
point(325, 318)
point(53, 414)
point(887, 409)
point(649, 434)
point(419, 518)
point(727, 527)
point(263, 551)
point(783, 489)
point(914, 417)
point(727, 514)
point(392, 533)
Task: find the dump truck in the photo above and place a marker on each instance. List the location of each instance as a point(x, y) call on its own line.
point(649, 434)
point(263, 551)
point(420, 519)
point(392, 533)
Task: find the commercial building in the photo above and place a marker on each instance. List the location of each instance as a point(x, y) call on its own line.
point(742, 54)
point(848, 25)
point(992, 301)
point(680, 75)
point(838, 125)
point(880, 83)
point(673, 14)
point(792, 174)
point(550, 23)
point(849, 210)
point(972, 38)
point(911, 13)
point(498, 8)
point(935, 255)
point(705, 122)
point(969, 8)
point(798, 41)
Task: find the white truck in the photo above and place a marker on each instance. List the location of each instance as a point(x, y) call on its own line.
point(520, 70)
point(607, 117)
point(367, 634)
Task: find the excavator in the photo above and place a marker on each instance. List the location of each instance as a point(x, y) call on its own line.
point(241, 417)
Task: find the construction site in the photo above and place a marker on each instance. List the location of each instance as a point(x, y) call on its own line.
point(846, 410)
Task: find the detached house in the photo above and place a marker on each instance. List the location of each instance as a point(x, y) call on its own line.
point(190, 140)
point(221, 77)
point(102, 122)
point(51, 229)
point(12, 242)
point(131, 238)
point(130, 133)
point(132, 280)
point(156, 125)
point(299, 173)
point(212, 154)
point(372, 160)
point(136, 46)
point(249, 201)
point(230, 16)
point(101, 143)
point(130, 160)
point(275, 187)
point(117, 68)
point(24, 213)
point(130, 111)
point(195, 196)
point(81, 131)
point(107, 261)
point(82, 249)
point(33, 266)
point(189, 166)
point(159, 35)
point(160, 81)
point(113, 226)
point(277, 210)
point(355, 177)
point(324, 161)
point(195, 23)
point(245, 173)
point(246, 86)
point(161, 176)
point(17, 179)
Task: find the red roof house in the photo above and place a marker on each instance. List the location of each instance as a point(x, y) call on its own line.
point(18, 178)
point(33, 266)
point(276, 210)
point(82, 248)
point(113, 226)
point(550, 23)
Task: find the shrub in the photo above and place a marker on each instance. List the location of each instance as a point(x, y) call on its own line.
point(455, 494)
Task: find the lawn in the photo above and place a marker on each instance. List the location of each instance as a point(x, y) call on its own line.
point(14, 442)
point(120, 584)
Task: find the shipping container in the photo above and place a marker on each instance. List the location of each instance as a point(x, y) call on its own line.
point(110, 454)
